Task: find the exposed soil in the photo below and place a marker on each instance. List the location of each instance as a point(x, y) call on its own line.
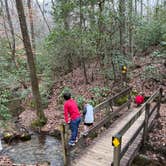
point(75, 81)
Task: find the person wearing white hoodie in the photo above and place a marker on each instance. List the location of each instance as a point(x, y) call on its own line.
point(88, 114)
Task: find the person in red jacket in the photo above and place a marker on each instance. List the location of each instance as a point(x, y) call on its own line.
point(139, 99)
point(72, 117)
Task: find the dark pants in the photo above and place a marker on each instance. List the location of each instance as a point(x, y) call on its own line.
point(74, 125)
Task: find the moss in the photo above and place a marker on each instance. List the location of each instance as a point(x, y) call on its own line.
point(121, 100)
point(25, 137)
point(38, 123)
point(7, 136)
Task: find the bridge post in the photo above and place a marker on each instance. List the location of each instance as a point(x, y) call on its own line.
point(159, 101)
point(116, 142)
point(129, 100)
point(145, 132)
point(65, 145)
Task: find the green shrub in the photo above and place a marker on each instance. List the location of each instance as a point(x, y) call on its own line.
point(38, 123)
point(151, 72)
point(4, 98)
point(121, 100)
point(80, 101)
point(60, 97)
point(147, 34)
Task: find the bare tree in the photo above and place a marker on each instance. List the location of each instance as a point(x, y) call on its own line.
point(130, 27)
point(135, 6)
point(30, 10)
point(82, 47)
point(65, 15)
point(157, 7)
point(53, 3)
point(101, 4)
point(42, 12)
point(141, 8)
point(12, 44)
point(30, 59)
point(122, 24)
point(5, 26)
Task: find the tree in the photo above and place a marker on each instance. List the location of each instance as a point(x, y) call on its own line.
point(82, 47)
point(141, 8)
point(101, 4)
point(122, 24)
point(29, 3)
point(135, 7)
point(11, 44)
point(30, 59)
point(130, 27)
point(44, 17)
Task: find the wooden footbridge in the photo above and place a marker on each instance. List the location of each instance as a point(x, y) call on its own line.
point(126, 131)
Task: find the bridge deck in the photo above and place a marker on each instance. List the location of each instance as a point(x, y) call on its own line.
point(100, 153)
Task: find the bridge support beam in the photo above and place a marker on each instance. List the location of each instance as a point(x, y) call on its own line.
point(116, 141)
point(64, 135)
point(147, 109)
point(159, 101)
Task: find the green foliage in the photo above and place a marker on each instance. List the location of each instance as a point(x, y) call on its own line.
point(4, 98)
point(92, 102)
point(65, 48)
point(38, 123)
point(65, 90)
point(151, 72)
point(60, 97)
point(134, 93)
point(98, 93)
point(147, 34)
point(80, 101)
point(121, 100)
point(158, 54)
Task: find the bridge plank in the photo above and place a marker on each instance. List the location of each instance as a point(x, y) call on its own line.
point(101, 151)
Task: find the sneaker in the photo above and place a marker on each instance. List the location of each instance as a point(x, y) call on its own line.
point(85, 133)
point(76, 140)
point(71, 143)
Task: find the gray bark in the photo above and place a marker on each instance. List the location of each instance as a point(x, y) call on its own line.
point(30, 60)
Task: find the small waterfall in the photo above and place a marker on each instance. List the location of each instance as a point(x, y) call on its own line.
point(0, 145)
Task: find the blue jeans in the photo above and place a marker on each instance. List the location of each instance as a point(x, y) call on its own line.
point(74, 125)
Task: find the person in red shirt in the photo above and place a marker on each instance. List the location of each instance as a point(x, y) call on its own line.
point(72, 117)
point(139, 99)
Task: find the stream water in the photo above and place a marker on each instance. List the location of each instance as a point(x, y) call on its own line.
point(39, 149)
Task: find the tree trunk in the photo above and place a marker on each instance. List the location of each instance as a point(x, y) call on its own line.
point(5, 27)
point(30, 59)
point(135, 7)
point(65, 15)
point(91, 14)
point(130, 27)
point(53, 3)
point(148, 10)
point(42, 12)
point(82, 47)
point(141, 8)
point(157, 7)
point(122, 24)
point(30, 10)
point(101, 30)
point(12, 32)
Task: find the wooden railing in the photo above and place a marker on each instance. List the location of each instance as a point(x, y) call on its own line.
point(146, 125)
point(108, 107)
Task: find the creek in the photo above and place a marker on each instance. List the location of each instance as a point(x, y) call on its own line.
point(41, 148)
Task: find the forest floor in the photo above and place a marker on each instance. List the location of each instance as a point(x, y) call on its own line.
point(75, 81)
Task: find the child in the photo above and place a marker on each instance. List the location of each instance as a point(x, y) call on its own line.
point(72, 117)
point(88, 116)
point(139, 99)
